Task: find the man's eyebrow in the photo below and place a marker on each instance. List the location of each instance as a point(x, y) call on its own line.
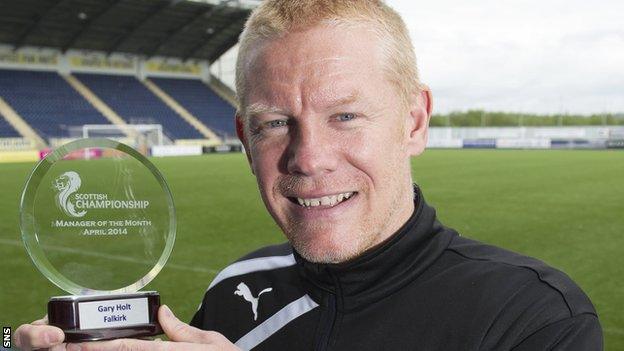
point(260, 108)
point(344, 100)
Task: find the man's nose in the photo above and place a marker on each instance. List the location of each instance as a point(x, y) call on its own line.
point(311, 151)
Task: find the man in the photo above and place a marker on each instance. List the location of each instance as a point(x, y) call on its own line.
point(330, 112)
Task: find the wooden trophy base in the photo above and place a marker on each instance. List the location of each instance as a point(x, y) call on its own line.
point(104, 317)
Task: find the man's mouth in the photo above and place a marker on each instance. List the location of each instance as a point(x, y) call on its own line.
point(326, 201)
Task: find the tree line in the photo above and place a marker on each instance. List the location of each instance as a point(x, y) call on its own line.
point(481, 118)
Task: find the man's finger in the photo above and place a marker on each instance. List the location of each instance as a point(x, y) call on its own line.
point(59, 347)
point(139, 345)
point(29, 336)
point(177, 330)
point(42, 321)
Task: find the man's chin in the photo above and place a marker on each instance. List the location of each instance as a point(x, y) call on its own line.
point(327, 251)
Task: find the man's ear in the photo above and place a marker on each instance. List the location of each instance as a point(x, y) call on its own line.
point(420, 108)
point(240, 131)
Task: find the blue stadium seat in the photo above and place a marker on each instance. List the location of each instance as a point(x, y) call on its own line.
point(7, 130)
point(202, 102)
point(127, 96)
point(46, 102)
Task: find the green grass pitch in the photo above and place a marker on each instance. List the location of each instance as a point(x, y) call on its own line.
point(563, 207)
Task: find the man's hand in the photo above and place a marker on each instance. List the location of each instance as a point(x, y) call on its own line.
point(181, 336)
point(39, 335)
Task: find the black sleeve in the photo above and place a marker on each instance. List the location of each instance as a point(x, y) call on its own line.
point(198, 318)
point(581, 332)
point(203, 317)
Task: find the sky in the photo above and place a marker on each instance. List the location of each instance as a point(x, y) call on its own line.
point(533, 56)
point(537, 56)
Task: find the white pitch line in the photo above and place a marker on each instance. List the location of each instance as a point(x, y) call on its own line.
point(114, 257)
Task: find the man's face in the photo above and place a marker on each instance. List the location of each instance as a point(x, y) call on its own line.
point(327, 138)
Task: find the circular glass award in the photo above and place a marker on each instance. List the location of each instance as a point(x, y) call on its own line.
point(97, 219)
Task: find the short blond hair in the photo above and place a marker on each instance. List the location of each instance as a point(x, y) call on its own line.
point(276, 18)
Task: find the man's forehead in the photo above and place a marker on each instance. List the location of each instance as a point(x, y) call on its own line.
point(317, 48)
point(287, 69)
point(319, 68)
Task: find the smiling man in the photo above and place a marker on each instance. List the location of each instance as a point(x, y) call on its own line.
point(330, 112)
point(329, 138)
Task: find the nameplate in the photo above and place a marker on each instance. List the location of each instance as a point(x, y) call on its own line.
point(113, 313)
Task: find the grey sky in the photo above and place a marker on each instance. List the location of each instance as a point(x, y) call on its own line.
point(544, 56)
point(538, 56)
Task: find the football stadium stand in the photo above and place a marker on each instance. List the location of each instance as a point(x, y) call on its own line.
point(46, 102)
point(127, 96)
point(7, 130)
point(202, 102)
point(68, 64)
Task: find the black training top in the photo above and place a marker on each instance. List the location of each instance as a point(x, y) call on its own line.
point(426, 288)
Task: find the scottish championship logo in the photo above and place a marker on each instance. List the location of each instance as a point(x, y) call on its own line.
point(75, 204)
point(67, 184)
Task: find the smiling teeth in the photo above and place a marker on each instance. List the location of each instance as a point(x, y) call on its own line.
point(325, 200)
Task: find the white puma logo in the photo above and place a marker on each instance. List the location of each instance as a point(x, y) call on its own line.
point(243, 290)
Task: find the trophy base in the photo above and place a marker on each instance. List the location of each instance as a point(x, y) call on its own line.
point(105, 317)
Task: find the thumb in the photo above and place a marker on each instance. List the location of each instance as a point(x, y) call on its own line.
point(177, 330)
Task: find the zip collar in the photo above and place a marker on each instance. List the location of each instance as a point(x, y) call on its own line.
point(384, 269)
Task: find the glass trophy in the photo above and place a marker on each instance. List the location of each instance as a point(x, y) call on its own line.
point(98, 220)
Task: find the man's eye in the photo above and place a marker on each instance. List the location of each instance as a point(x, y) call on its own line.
point(344, 117)
point(277, 123)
